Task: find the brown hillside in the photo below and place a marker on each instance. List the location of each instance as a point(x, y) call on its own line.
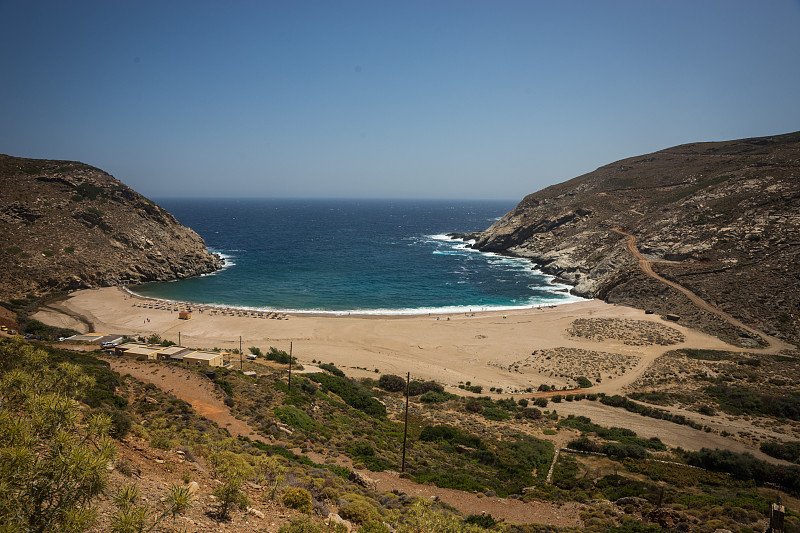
point(722, 219)
point(66, 225)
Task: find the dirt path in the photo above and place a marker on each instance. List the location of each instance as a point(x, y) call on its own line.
point(197, 391)
point(187, 386)
point(774, 345)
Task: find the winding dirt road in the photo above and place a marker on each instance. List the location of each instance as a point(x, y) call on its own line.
point(645, 265)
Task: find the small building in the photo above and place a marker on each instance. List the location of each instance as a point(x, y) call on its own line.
point(185, 315)
point(122, 348)
point(139, 349)
point(204, 358)
point(149, 351)
point(174, 353)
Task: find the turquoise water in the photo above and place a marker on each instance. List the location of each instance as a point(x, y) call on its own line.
point(362, 256)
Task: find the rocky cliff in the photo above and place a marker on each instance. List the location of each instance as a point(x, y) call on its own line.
point(720, 218)
point(66, 225)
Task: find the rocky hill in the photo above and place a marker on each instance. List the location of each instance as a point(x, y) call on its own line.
point(720, 218)
point(66, 225)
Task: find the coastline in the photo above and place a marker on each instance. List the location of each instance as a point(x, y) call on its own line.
point(381, 313)
point(486, 348)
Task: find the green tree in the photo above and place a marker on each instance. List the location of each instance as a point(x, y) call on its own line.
point(53, 458)
point(133, 518)
point(229, 494)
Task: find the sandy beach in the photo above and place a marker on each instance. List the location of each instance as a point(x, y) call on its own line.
point(512, 350)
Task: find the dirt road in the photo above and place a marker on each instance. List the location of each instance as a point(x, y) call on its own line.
point(774, 345)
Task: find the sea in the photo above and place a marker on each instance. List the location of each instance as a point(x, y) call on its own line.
point(381, 257)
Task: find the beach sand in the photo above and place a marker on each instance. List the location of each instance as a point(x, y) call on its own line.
point(491, 349)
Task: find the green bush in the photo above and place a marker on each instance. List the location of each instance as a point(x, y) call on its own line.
point(360, 512)
point(451, 480)
point(483, 520)
point(352, 393)
point(583, 382)
point(473, 406)
point(54, 456)
point(436, 397)
point(300, 525)
point(416, 387)
point(330, 367)
point(740, 400)
point(87, 190)
point(294, 417)
point(392, 383)
point(533, 453)
point(297, 498)
point(279, 356)
point(450, 435)
point(788, 451)
point(374, 526)
point(495, 413)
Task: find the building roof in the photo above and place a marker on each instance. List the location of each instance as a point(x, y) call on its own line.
point(97, 338)
point(175, 350)
point(143, 350)
point(200, 354)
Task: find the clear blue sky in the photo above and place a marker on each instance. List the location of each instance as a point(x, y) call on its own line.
point(379, 98)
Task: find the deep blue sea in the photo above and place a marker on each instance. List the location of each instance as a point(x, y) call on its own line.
point(360, 256)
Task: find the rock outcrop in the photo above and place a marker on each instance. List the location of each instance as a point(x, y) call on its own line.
point(66, 225)
point(721, 218)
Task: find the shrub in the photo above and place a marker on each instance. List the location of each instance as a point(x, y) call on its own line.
point(294, 417)
point(556, 398)
point(352, 393)
point(360, 512)
point(362, 449)
point(495, 413)
point(392, 383)
point(583, 382)
point(308, 386)
point(450, 435)
point(415, 388)
point(483, 520)
point(533, 453)
point(297, 498)
point(300, 525)
point(532, 413)
point(473, 406)
point(48, 443)
point(540, 402)
point(788, 451)
point(374, 526)
point(279, 356)
point(330, 367)
point(436, 397)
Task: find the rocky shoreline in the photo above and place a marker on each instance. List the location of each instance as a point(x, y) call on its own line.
point(720, 219)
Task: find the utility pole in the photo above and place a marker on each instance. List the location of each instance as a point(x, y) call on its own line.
point(405, 428)
point(240, 353)
point(290, 367)
point(179, 338)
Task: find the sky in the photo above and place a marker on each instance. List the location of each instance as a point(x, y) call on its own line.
point(445, 99)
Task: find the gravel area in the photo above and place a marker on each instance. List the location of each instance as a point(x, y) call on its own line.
point(629, 331)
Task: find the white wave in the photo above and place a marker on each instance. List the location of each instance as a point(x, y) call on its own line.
point(227, 261)
point(433, 311)
point(439, 237)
